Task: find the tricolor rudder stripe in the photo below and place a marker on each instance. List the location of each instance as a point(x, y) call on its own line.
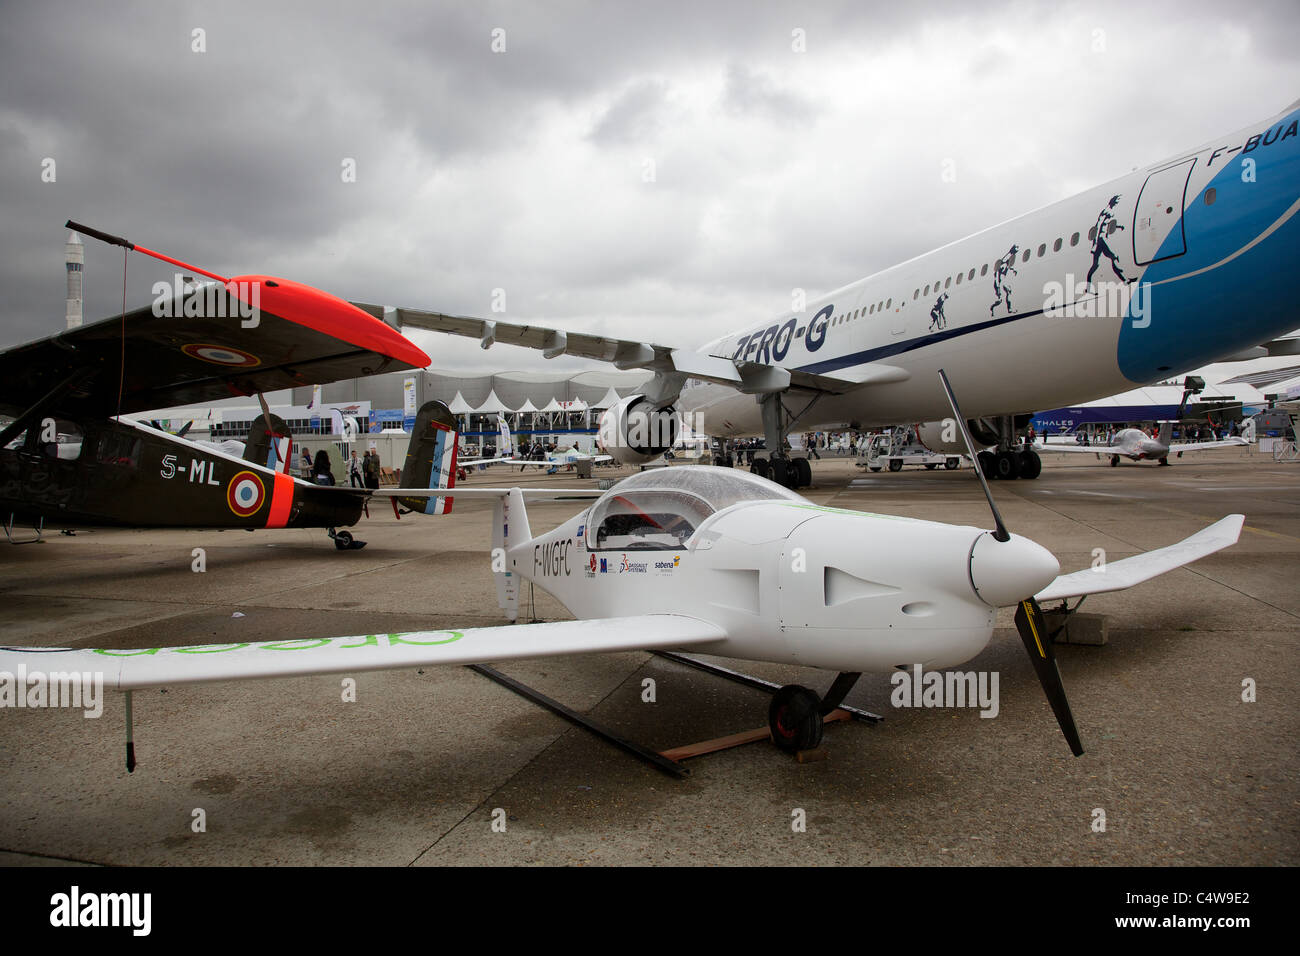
point(443, 472)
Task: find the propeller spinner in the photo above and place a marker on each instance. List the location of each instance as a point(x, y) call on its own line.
point(1030, 621)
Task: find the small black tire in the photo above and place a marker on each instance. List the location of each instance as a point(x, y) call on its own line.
point(795, 718)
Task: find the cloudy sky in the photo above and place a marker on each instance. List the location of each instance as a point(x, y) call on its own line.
point(663, 171)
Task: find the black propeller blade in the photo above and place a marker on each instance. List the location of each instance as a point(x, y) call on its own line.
point(1029, 616)
point(1033, 632)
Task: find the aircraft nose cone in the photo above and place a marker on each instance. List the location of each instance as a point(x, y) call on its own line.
point(1004, 573)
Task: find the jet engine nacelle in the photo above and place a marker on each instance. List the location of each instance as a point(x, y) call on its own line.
point(944, 438)
point(635, 432)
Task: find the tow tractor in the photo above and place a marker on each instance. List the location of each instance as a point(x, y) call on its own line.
point(899, 447)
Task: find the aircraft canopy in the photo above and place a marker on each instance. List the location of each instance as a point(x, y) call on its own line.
point(659, 510)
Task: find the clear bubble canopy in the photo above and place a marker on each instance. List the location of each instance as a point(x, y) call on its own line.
point(660, 509)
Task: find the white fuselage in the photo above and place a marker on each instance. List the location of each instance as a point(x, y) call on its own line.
point(795, 583)
point(1188, 271)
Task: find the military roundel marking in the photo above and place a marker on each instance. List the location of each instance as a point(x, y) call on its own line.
point(245, 494)
point(221, 355)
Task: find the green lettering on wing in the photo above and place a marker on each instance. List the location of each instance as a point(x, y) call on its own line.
point(370, 640)
point(302, 644)
point(209, 648)
point(399, 639)
point(138, 653)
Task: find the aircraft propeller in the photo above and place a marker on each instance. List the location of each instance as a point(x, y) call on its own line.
point(1030, 622)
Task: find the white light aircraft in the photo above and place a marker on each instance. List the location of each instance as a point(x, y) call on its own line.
point(1136, 444)
point(1155, 273)
point(714, 561)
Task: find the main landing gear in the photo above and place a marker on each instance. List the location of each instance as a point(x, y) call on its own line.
point(788, 472)
point(796, 714)
point(1010, 464)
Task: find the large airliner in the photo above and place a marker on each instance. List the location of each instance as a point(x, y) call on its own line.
point(1168, 268)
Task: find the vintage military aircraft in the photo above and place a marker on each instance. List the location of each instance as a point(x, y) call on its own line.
point(73, 457)
point(716, 561)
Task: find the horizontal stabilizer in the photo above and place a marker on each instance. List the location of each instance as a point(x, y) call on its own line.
point(530, 494)
point(1118, 575)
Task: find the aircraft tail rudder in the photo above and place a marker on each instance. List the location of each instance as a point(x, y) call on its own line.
point(510, 529)
point(1166, 435)
point(431, 458)
point(270, 443)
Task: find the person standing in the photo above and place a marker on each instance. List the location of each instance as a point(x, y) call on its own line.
point(354, 471)
point(321, 473)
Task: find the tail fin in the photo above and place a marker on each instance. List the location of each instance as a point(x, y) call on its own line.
point(431, 458)
point(1166, 433)
point(270, 445)
point(509, 529)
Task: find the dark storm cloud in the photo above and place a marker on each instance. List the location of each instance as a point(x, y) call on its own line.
point(525, 169)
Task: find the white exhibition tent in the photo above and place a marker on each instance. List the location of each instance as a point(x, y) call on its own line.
point(609, 401)
point(491, 405)
point(459, 406)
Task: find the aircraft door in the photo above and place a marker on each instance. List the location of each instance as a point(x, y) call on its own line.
point(1158, 216)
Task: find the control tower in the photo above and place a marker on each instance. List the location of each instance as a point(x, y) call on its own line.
point(75, 262)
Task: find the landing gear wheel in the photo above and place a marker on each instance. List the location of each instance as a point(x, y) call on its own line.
point(779, 472)
point(1031, 466)
point(1006, 464)
point(985, 460)
point(795, 718)
point(344, 541)
point(803, 473)
point(758, 467)
point(1114, 460)
point(1165, 460)
point(896, 464)
point(952, 464)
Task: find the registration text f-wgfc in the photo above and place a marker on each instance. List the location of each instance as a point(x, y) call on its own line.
point(75, 908)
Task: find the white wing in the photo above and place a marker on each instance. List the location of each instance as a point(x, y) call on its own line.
point(530, 494)
point(1202, 445)
point(1090, 449)
point(1125, 573)
point(160, 666)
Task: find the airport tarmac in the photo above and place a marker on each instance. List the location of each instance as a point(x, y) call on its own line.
point(417, 769)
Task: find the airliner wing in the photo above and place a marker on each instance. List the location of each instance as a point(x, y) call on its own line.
point(1117, 575)
point(627, 354)
point(1090, 449)
point(163, 666)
